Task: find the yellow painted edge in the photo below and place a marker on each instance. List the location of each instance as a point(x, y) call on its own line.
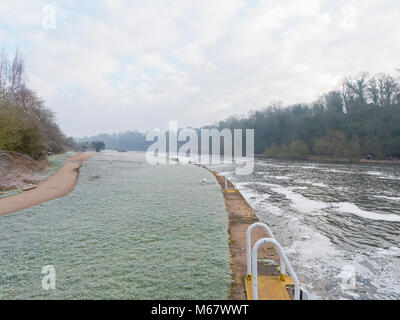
point(281, 294)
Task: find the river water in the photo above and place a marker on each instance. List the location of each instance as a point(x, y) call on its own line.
point(128, 230)
point(337, 222)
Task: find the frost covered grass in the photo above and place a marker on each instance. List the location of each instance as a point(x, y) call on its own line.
point(137, 232)
point(56, 162)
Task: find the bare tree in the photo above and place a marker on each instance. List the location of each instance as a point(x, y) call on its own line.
point(389, 90)
point(12, 76)
point(357, 87)
point(18, 100)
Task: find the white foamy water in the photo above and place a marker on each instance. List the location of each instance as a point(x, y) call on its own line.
point(301, 203)
point(311, 183)
point(347, 207)
point(389, 198)
point(382, 175)
point(331, 218)
point(282, 177)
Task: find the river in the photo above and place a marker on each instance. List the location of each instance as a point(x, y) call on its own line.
point(333, 220)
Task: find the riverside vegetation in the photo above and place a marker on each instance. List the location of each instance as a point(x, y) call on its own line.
point(28, 129)
point(360, 118)
point(27, 126)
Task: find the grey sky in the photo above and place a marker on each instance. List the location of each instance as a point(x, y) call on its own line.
point(118, 65)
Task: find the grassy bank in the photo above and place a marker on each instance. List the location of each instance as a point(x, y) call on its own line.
point(135, 232)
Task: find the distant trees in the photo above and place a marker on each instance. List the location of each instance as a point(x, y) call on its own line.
point(381, 90)
point(336, 144)
point(129, 140)
point(361, 117)
point(98, 145)
point(26, 125)
point(295, 150)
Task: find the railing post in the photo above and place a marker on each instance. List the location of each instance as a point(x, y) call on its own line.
point(248, 245)
point(282, 255)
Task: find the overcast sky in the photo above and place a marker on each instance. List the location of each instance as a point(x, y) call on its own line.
point(116, 65)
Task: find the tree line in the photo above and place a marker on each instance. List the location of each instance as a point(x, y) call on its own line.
point(129, 140)
point(26, 125)
point(360, 118)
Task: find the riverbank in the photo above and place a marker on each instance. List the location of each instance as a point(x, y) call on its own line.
point(19, 171)
point(325, 159)
point(57, 185)
point(241, 216)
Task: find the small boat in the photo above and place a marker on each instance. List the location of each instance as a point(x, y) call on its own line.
point(122, 150)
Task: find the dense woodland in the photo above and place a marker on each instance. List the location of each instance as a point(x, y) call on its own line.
point(360, 118)
point(27, 126)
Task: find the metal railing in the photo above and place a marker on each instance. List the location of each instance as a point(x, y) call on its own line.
point(282, 255)
point(248, 246)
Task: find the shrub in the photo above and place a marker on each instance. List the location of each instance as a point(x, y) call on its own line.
point(298, 150)
point(20, 133)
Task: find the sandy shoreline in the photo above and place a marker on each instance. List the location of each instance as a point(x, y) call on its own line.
point(56, 186)
point(241, 216)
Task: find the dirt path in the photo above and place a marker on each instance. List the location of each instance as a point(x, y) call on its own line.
point(241, 216)
point(56, 186)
